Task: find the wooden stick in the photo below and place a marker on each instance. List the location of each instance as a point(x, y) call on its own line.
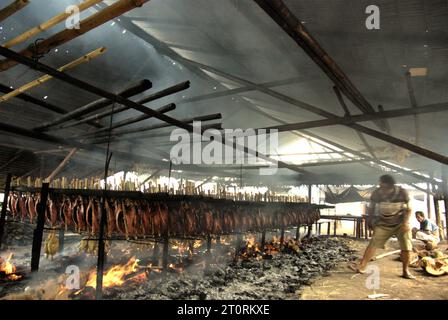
point(48, 24)
point(66, 35)
point(386, 254)
point(12, 8)
point(45, 78)
point(61, 165)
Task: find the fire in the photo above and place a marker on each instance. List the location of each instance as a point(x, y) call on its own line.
point(197, 244)
point(116, 275)
point(8, 268)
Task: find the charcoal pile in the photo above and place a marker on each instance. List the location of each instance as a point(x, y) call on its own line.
point(281, 277)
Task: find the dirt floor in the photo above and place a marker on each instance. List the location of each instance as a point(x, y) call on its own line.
point(344, 284)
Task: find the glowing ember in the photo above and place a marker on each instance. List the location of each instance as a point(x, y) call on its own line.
point(8, 268)
point(116, 275)
point(197, 244)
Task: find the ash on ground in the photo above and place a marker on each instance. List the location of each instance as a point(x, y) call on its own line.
point(282, 277)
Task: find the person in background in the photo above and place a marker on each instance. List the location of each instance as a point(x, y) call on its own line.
point(388, 215)
point(428, 231)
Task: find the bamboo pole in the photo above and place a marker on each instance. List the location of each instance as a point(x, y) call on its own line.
point(12, 8)
point(61, 165)
point(19, 58)
point(118, 8)
point(157, 95)
point(48, 24)
point(45, 78)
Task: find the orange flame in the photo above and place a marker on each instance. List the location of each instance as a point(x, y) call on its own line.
point(116, 275)
point(9, 268)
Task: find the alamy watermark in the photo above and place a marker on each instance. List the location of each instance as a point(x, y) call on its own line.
point(373, 20)
point(72, 22)
point(228, 146)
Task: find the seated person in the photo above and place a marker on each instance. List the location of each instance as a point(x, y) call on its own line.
point(428, 231)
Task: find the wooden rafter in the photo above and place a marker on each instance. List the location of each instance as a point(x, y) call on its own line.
point(313, 109)
point(61, 166)
point(66, 35)
point(48, 24)
point(118, 99)
point(281, 14)
point(12, 8)
point(45, 78)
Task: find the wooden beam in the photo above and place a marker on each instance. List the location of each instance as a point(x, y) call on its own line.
point(243, 89)
point(118, 8)
point(48, 24)
point(313, 109)
point(347, 114)
point(61, 165)
point(12, 8)
point(307, 134)
point(128, 92)
point(281, 14)
point(118, 99)
point(106, 131)
point(204, 182)
point(209, 117)
point(45, 78)
point(157, 95)
point(396, 113)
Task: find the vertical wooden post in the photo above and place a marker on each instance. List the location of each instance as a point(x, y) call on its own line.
point(155, 253)
point(298, 233)
point(334, 227)
point(366, 229)
point(437, 209)
point(320, 228)
point(165, 253)
point(328, 228)
point(445, 194)
point(355, 225)
point(428, 200)
point(5, 204)
point(61, 240)
point(310, 191)
point(263, 240)
point(239, 239)
point(209, 244)
point(282, 236)
point(39, 231)
point(103, 224)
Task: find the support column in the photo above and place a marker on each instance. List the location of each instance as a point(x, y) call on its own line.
point(39, 231)
point(428, 199)
point(298, 233)
point(61, 240)
point(445, 195)
point(209, 245)
point(282, 236)
point(165, 253)
point(4, 206)
point(263, 240)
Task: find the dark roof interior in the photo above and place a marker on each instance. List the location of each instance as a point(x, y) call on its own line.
point(239, 38)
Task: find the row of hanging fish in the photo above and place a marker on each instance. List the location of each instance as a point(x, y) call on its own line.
point(143, 217)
